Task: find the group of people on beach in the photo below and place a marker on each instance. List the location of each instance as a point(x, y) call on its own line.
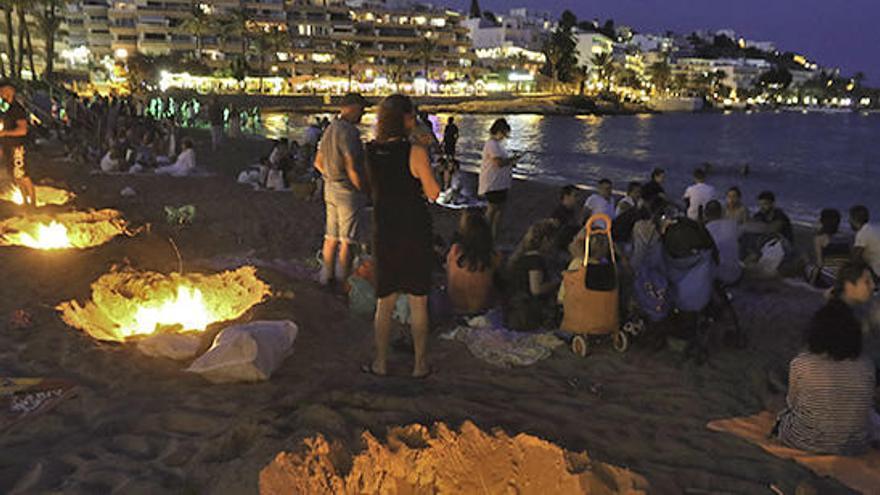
point(830, 402)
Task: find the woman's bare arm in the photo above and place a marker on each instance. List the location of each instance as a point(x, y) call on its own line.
point(420, 168)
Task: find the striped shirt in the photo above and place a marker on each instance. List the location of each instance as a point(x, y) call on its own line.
point(829, 405)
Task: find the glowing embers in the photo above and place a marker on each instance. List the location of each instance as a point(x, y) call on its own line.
point(130, 303)
point(74, 230)
point(417, 459)
point(46, 195)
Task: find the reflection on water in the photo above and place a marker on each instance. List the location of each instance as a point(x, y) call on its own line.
point(810, 161)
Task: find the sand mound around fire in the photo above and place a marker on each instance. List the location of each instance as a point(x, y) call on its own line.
point(417, 460)
point(78, 229)
point(130, 303)
point(46, 195)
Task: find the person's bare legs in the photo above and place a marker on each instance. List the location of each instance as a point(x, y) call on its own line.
point(382, 328)
point(28, 192)
point(329, 255)
point(493, 216)
point(344, 269)
point(418, 307)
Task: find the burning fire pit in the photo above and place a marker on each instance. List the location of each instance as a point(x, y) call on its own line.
point(129, 303)
point(46, 195)
point(75, 230)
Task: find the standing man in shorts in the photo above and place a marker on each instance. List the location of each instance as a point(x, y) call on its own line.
point(13, 141)
point(340, 160)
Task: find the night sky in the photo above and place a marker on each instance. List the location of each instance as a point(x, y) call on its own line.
point(835, 33)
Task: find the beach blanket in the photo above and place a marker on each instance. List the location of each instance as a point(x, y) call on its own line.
point(860, 473)
point(22, 398)
point(460, 203)
point(489, 341)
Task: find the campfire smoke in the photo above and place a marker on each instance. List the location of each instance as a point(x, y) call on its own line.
point(74, 230)
point(128, 303)
point(46, 195)
point(416, 459)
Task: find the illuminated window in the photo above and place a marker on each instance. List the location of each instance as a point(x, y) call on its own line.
point(438, 22)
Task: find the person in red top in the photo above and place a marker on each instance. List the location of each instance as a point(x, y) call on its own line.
point(13, 141)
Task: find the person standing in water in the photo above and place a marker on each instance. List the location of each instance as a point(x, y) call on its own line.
point(13, 142)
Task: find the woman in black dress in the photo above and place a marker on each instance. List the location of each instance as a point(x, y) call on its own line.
point(401, 179)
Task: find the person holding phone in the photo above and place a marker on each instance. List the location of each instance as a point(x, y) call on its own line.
point(496, 173)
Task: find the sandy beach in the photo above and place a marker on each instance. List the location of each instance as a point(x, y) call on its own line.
point(142, 425)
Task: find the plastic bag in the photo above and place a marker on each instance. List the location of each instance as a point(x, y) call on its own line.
point(247, 353)
point(180, 215)
point(179, 347)
point(772, 254)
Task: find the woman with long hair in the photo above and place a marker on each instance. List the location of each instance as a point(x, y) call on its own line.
point(471, 265)
point(401, 178)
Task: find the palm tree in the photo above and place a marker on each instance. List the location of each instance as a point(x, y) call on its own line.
point(197, 25)
point(49, 21)
point(347, 54)
point(425, 50)
point(24, 32)
point(660, 74)
point(8, 6)
point(268, 43)
point(603, 64)
point(583, 75)
point(396, 73)
point(235, 25)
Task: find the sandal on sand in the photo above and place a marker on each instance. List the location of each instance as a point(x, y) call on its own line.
point(368, 369)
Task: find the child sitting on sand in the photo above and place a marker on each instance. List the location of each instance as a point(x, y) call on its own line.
point(831, 249)
point(471, 265)
point(530, 303)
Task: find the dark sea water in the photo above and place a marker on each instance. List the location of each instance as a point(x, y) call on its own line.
point(811, 161)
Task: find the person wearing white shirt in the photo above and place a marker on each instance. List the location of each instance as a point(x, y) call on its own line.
point(185, 163)
point(867, 242)
point(697, 195)
point(496, 173)
point(725, 233)
point(631, 200)
point(601, 201)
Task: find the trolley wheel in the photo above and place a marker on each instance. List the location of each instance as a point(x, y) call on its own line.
point(620, 342)
point(579, 346)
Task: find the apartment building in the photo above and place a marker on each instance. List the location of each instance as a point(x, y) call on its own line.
point(387, 35)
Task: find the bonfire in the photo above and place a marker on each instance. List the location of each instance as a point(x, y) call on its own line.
point(74, 230)
point(128, 304)
point(46, 195)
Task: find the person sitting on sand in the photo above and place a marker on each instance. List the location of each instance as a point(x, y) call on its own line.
point(646, 235)
point(530, 304)
point(831, 247)
point(401, 178)
point(601, 201)
point(768, 223)
point(725, 233)
point(112, 161)
point(471, 265)
point(566, 215)
point(185, 163)
point(631, 200)
point(830, 401)
point(867, 243)
point(697, 195)
point(654, 187)
point(735, 209)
